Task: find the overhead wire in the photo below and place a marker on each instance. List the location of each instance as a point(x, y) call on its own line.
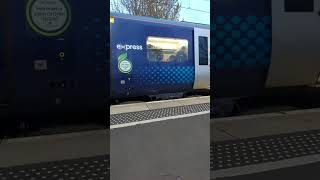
point(199, 10)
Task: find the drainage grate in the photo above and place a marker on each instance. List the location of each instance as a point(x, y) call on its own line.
point(236, 153)
point(96, 168)
point(158, 113)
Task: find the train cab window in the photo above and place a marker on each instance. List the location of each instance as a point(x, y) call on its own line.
point(161, 49)
point(203, 51)
point(299, 5)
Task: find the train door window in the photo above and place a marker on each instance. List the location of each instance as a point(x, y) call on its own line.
point(203, 51)
point(160, 49)
point(299, 5)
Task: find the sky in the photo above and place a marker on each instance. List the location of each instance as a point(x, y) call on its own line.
point(197, 11)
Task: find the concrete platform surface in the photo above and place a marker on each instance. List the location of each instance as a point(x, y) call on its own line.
point(126, 108)
point(31, 150)
point(265, 124)
point(176, 149)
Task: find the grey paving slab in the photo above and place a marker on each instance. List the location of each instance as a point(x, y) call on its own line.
point(22, 151)
point(219, 135)
point(248, 128)
point(166, 150)
point(299, 122)
point(117, 109)
point(270, 124)
point(197, 100)
point(163, 104)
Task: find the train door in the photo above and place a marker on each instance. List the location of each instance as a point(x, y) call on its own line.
point(295, 46)
point(202, 58)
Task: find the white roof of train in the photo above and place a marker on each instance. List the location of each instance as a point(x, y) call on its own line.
point(160, 21)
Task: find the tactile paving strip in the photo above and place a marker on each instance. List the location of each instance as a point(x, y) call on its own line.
point(236, 153)
point(96, 168)
point(158, 113)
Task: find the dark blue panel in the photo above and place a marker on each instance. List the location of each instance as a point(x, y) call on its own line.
point(148, 78)
point(241, 42)
point(73, 81)
point(3, 85)
point(241, 7)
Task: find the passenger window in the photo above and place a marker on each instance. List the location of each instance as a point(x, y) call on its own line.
point(299, 5)
point(161, 49)
point(203, 51)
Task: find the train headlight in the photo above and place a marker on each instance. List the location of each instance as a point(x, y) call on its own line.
point(111, 20)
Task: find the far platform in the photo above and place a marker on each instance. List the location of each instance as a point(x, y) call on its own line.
point(254, 144)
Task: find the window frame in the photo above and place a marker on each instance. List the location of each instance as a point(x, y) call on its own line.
point(162, 50)
point(294, 6)
point(201, 63)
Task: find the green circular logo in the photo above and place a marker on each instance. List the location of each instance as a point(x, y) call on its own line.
point(125, 66)
point(48, 17)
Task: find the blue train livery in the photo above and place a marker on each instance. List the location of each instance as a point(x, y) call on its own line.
point(264, 47)
point(58, 64)
point(241, 39)
point(151, 57)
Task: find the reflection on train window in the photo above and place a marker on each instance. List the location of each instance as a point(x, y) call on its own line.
point(203, 51)
point(161, 49)
point(299, 5)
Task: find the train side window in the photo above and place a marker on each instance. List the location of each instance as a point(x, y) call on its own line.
point(299, 5)
point(161, 49)
point(203, 51)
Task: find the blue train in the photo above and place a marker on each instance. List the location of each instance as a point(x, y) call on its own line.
point(255, 45)
point(53, 57)
point(264, 45)
point(150, 57)
point(252, 51)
